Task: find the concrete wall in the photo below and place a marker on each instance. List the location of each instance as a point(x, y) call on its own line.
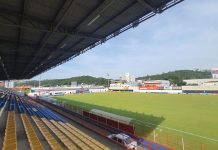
point(159, 91)
point(200, 88)
point(199, 81)
point(98, 90)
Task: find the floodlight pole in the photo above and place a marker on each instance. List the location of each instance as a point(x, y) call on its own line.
point(39, 83)
point(108, 80)
point(39, 80)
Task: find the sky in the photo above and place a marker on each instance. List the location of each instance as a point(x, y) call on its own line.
point(183, 37)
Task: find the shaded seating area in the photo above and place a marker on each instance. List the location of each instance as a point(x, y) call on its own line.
point(31, 135)
point(10, 138)
point(41, 127)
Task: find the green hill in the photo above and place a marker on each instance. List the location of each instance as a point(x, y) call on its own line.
point(67, 81)
point(182, 74)
point(175, 77)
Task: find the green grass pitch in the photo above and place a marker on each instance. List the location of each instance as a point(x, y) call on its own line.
point(195, 114)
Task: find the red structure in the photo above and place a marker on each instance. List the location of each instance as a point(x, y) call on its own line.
point(149, 87)
point(109, 122)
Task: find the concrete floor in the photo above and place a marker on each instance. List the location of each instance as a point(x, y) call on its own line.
point(92, 134)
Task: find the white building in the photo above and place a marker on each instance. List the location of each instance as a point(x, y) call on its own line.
point(9, 84)
point(162, 83)
point(128, 78)
point(201, 82)
point(205, 82)
point(74, 84)
point(214, 72)
point(2, 84)
point(200, 89)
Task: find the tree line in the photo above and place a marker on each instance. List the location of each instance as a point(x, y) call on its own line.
point(60, 82)
point(175, 78)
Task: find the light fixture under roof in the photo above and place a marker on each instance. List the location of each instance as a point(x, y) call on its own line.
point(63, 45)
point(93, 20)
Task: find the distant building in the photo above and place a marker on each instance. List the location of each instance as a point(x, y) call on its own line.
point(73, 84)
point(214, 72)
point(9, 84)
point(124, 83)
point(128, 78)
point(201, 89)
point(200, 82)
point(117, 86)
point(205, 82)
point(155, 85)
point(2, 84)
point(202, 85)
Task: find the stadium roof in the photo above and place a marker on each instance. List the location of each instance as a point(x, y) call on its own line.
point(37, 35)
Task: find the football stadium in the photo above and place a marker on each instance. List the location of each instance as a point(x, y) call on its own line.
point(128, 113)
point(170, 117)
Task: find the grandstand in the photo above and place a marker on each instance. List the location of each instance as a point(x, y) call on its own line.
point(37, 122)
point(29, 125)
point(103, 124)
point(36, 36)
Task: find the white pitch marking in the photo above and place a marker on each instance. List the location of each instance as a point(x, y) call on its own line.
point(189, 133)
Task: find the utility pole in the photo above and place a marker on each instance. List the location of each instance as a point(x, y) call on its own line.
point(108, 80)
point(39, 80)
point(39, 83)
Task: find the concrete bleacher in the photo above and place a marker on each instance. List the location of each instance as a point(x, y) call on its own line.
point(47, 135)
point(56, 131)
point(87, 139)
point(34, 142)
point(80, 144)
point(10, 139)
point(64, 139)
point(36, 121)
point(82, 140)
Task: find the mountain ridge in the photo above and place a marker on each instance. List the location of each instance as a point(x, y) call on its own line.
point(175, 77)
